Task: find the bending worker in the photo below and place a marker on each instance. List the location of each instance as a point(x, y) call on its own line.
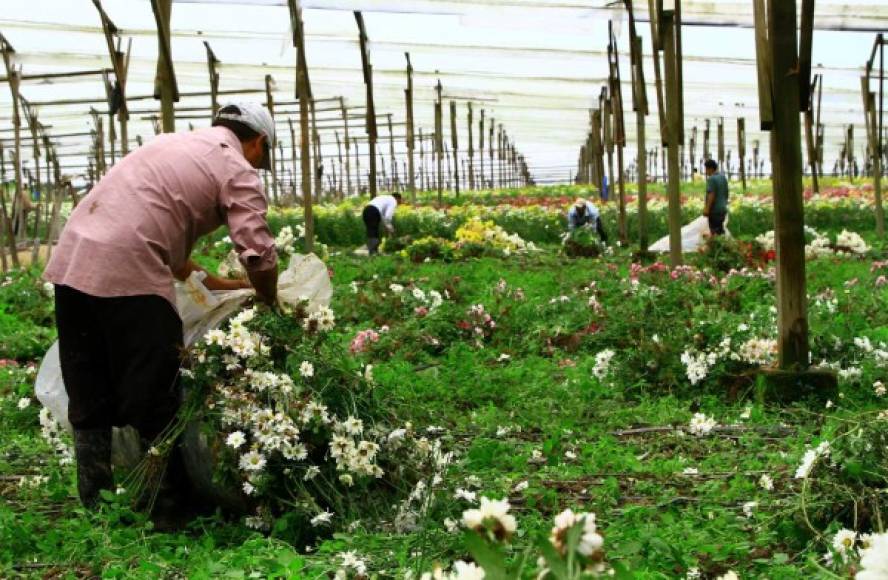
point(120, 336)
point(584, 214)
point(380, 210)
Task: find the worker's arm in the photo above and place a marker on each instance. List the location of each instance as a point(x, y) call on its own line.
point(245, 208)
point(211, 281)
point(710, 199)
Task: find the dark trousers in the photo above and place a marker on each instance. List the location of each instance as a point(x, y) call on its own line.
point(717, 223)
point(372, 219)
point(120, 360)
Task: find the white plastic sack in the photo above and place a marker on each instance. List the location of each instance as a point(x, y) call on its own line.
point(693, 236)
point(201, 310)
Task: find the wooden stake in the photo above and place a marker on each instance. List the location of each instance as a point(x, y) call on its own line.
point(673, 97)
point(212, 61)
point(165, 86)
point(411, 143)
point(371, 110)
point(481, 148)
point(471, 169)
point(439, 140)
point(303, 95)
point(741, 149)
point(120, 65)
point(272, 146)
point(348, 179)
point(781, 52)
point(454, 143)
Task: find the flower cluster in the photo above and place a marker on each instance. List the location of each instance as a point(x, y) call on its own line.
point(491, 519)
point(286, 238)
point(362, 341)
point(590, 545)
point(810, 458)
point(51, 431)
point(757, 351)
point(479, 323)
point(486, 233)
point(602, 364)
point(701, 425)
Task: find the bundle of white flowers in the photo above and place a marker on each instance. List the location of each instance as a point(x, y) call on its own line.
point(757, 351)
point(810, 458)
point(296, 427)
point(491, 520)
point(701, 425)
point(602, 364)
point(852, 243)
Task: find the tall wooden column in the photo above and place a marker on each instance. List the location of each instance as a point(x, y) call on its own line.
point(778, 60)
point(741, 149)
point(348, 178)
point(212, 61)
point(454, 144)
point(439, 141)
point(411, 143)
point(471, 169)
point(21, 204)
point(165, 87)
point(303, 95)
point(272, 144)
point(481, 149)
point(640, 106)
point(669, 31)
point(371, 109)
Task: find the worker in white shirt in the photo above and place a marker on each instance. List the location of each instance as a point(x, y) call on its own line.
point(380, 210)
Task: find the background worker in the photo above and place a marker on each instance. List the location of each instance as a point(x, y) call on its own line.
point(120, 336)
point(380, 210)
point(584, 214)
point(716, 206)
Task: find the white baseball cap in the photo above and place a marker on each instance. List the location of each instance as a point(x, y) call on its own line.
point(254, 116)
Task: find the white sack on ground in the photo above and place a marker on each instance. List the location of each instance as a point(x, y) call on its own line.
point(693, 236)
point(201, 310)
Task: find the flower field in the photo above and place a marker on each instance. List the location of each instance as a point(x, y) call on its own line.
point(477, 398)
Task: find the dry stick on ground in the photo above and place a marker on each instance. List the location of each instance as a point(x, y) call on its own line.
point(165, 86)
point(371, 110)
point(303, 95)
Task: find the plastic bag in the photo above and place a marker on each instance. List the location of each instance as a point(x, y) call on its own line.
point(201, 310)
point(693, 236)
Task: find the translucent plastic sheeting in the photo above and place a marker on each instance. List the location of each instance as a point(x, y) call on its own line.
point(536, 67)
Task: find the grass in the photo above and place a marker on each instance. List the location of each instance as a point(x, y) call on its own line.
point(540, 416)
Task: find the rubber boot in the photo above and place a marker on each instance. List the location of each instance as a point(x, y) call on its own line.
point(92, 449)
point(372, 246)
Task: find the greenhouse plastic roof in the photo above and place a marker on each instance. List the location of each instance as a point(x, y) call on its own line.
point(536, 66)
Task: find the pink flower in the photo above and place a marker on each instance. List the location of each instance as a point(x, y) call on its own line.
point(881, 281)
point(420, 311)
point(362, 340)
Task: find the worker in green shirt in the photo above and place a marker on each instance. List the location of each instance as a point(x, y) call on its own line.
point(716, 208)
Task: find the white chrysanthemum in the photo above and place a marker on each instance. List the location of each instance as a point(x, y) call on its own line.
point(879, 388)
point(353, 426)
point(235, 439)
point(396, 288)
point(602, 364)
point(495, 512)
point(24, 403)
point(248, 488)
point(323, 518)
point(810, 458)
point(465, 495)
point(215, 337)
point(701, 424)
point(252, 461)
point(843, 542)
point(874, 558)
point(766, 482)
point(590, 540)
point(729, 575)
point(306, 369)
point(466, 571)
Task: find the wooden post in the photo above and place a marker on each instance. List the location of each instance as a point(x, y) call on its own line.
point(640, 106)
point(318, 164)
point(371, 109)
point(120, 65)
point(165, 86)
point(721, 143)
point(22, 203)
point(293, 155)
point(411, 143)
point(33, 126)
point(395, 182)
point(454, 144)
point(272, 146)
point(422, 166)
point(357, 165)
point(212, 61)
point(874, 124)
point(741, 149)
point(490, 131)
point(481, 149)
point(671, 63)
point(778, 48)
point(619, 129)
point(439, 140)
point(707, 154)
point(657, 46)
point(348, 179)
point(303, 95)
point(471, 152)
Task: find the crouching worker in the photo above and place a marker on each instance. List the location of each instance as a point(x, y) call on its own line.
point(584, 214)
point(120, 336)
point(379, 211)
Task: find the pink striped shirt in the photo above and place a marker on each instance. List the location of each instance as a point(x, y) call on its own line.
point(139, 223)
